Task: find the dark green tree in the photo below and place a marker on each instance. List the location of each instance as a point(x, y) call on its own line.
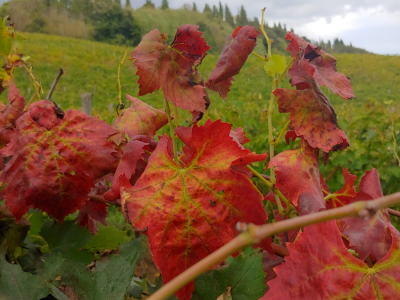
point(215, 11)
point(114, 25)
point(207, 9)
point(128, 4)
point(164, 5)
point(149, 4)
point(242, 17)
point(194, 7)
point(118, 2)
point(221, 10)
point(228, 17)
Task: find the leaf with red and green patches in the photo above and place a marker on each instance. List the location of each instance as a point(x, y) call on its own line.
point(312, 117)
point(345, 195)
point(54, 161)
point(319, 65)
point(10, 113)
point(369, 237)
point(298, 178)
point(140, 119)
point(169, 66)
point(133, 157)
point(237, 48)
point(324, 269)
point(191, 209)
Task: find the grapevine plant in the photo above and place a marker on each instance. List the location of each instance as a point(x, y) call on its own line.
point(197, 204)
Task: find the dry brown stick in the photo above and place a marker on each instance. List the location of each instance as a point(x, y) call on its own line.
point(53, 86)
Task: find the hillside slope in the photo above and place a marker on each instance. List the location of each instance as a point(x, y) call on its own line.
point(91, 67)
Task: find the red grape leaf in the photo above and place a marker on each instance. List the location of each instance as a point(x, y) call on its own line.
point(192, 210)
point(133, 153)
point(320, 267)
point(319, 65)
point(168, 66)
point(90, 213)
point(369, 237)
point(197, 79)
point(370, 186)
point(93, 211)
point(10, 113)
point(140, 119)
point(239, 136)
point(345, 195)
point(298, 177)
point(237, 48)
point(312, 117)
point(53, 168)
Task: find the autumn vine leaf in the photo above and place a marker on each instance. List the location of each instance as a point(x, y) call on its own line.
point(298, 178)
point(343, 196)
point(336, 273)
point(140, 119)
point(169, 66)
point(10, 113)
point(54, 161)
point(319, 65)
point(312, 117)
point(369, 237)
point(94, 211)
point(132, 162)
point(237, 48)
point(190, 210)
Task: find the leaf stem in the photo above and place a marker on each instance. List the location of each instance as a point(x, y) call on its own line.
point(269, 185)
point(253, 234)
point(283, 131)
point(36, 85)
point(395, 144)
point(330, 196)
point(259, 56)
point(172, 131)
point(394, 212)
point(269, 41)
point(284, 72)
point(119, 77)
point(270, 137)
point(100, 198)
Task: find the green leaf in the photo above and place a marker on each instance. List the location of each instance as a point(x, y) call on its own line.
point(17, 284)
point(107, 238)
point(244, 275)
point(67, 238)
point(276, 64)
point(5, 38)
point(111, 277)
point(14, 234)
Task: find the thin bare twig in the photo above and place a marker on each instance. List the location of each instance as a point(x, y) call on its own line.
point(394, 212)
point(53, 86)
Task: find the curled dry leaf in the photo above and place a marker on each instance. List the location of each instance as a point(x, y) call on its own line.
point(319, 65)
point(237, 48)
point(191, 209)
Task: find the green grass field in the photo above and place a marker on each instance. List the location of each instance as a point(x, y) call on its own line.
point(91, 67)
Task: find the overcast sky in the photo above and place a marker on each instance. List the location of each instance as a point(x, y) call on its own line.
point(369, 24)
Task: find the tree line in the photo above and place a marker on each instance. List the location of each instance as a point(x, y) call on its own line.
point(113, 21)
